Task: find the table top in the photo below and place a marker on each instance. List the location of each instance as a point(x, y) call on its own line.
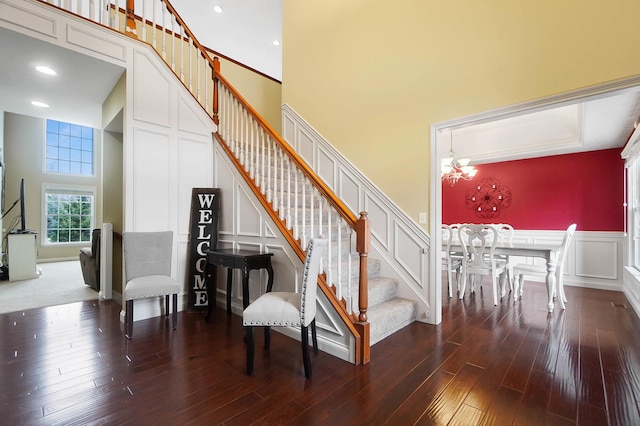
point(237, 252)
point(547, 251)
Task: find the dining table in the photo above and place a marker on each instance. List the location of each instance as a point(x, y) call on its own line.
point(547, 251)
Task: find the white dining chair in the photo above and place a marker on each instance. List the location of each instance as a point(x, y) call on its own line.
point(479, 258)
point(451, 261)
point(523, 269)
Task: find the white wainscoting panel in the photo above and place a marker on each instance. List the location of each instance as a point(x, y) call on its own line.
point(596, 259)
point(248, 214)
point(327, 168)
point(221, 169)
point(349, 190)
point(379, 221)
point(195, 162)
point(150, 90)
point(150, 181)
point(399, 242)
point(104, 45)
point(28, 18)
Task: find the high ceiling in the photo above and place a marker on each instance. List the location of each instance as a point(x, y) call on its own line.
point(245, 31)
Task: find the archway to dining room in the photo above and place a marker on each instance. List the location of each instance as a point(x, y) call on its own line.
point(505, 134)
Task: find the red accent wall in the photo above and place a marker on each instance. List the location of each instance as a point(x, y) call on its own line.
point(550, 193)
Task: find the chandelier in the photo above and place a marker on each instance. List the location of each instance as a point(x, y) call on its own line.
point(454, 170)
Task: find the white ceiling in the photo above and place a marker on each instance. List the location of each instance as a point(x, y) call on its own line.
point(601, 123)
point(245, 32)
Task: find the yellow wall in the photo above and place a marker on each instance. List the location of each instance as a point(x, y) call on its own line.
point(262, 93)
point(373, 76)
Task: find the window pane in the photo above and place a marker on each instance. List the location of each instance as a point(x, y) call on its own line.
point(52, 140)
point(64, 154)
point(64, 128)
point(87, 169)
point(76, 168)
point(52, 166)
point(64, 141)
point(75, 130)
point(63, 166)
point(76, 143)
point(52, 126)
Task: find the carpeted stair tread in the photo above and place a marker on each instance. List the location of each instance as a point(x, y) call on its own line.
point(391, 316)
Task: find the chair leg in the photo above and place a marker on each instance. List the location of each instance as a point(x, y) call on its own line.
point(494, 280)
point(248, 334)
point(463, 285)
point(174, 318)
point(129, 319)
point(305, 351)
point(449, 278)
point(314, 336)
point(267, 338)
point(166, 305)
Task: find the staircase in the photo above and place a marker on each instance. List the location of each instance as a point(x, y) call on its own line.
point(387, 313)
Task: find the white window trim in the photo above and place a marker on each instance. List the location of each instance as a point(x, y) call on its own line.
point(70, 189)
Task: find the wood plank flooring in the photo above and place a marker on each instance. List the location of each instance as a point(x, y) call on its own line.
point(510, 364)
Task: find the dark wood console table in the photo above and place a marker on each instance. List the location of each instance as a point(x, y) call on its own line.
point(247, 260)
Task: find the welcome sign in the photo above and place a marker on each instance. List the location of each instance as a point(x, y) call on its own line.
point(203, 237)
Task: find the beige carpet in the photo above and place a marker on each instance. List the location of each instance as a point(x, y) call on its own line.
point(59, 283)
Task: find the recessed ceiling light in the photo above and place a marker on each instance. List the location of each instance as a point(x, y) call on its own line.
point(45, 70)
point(276, 43)
point(39, 104)
point(217, 9)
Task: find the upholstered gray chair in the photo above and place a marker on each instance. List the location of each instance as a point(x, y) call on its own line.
point(90, 261)
point(147, 264)
point(288, 309)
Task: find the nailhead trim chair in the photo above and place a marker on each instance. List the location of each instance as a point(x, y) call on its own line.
point(147, 263)
point(288, 309)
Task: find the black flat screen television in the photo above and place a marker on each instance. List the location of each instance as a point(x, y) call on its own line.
point(23, 214)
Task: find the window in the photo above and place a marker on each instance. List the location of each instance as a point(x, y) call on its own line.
point(69, 149)
point(69, 214)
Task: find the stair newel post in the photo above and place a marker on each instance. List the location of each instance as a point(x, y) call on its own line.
point(130, 29)
point(363, 236)
point(216, 72)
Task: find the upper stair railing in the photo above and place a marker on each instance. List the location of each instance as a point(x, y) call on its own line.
point(297, 200)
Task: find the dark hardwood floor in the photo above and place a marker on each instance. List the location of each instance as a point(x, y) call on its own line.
point(510, 364)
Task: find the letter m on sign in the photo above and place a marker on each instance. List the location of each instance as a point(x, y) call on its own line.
point(203, 237)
